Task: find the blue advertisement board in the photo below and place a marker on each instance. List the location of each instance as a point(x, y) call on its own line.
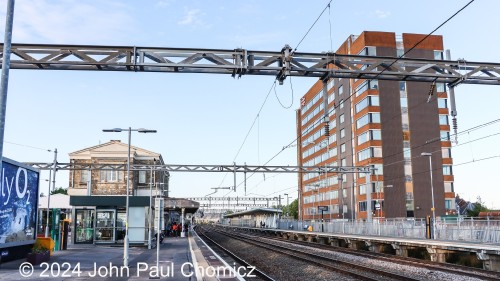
point(18, 204)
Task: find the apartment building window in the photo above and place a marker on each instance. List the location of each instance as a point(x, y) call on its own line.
point(368, 118)
point(400, 52)
point(362, 206)
point(368, 101)
point(108, 175)
point(448, 186)
point(361, 88)
point(341, 104)
point(408, 169)
point(334, 194)
point(342, 148)
point(440, 87)
point(142, 176)
point(341, 118)
point(369, 153)
point(443, 119)
point(331, 97)
point(333, 138)
point(331, 83)
point(407, 153)
point(404, 102)
point(442, 103)
point(341, 90)
point(343, 162)
point(333, 152)
point(84, 176)
point(362, 189)
point(438, 55)
point(402, 86)
point(369, 135)
point(446, 152)
point(448, 204)
point(447, 170)
point(342, 133)
point(445, 135)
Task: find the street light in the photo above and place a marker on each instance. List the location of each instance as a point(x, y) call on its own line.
point(432, 194)
point(129, 130)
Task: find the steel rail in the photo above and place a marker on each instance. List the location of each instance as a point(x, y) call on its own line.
point(240, 260)
point(309, 257)
point(449, 268)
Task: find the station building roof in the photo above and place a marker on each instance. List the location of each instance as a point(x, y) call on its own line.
point(258, 211)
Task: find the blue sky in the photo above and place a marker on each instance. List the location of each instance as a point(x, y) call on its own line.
point(203, 119)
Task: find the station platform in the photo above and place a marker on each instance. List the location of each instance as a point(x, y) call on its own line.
point(488, 254)
point(186, 258)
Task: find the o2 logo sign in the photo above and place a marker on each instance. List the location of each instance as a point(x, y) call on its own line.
point(14, 185)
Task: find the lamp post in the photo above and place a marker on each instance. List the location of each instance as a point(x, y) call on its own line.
point(47, 229)
point(129, 130)
point(432, 194)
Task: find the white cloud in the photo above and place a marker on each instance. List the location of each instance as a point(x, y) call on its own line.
point(70, 22)
point(191, 18)
point(163, 3)
point(382, 14)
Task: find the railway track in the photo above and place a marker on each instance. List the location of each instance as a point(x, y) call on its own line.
point(449, 268)
point(259, 274)
point(354, 271)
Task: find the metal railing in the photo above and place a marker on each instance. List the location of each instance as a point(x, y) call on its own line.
point(463, 229)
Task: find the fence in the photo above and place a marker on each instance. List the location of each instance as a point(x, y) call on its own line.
point(463, 229)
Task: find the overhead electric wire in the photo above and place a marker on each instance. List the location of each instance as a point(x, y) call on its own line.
point(251, 127)
point(471, 141)
point(274, 84)
point(439, 168)
point(297, 46)
point(423, 39)
point(276, 94)
point(25, 145)
point(353, 92)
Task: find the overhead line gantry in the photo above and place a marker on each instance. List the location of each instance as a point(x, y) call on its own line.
point(238, 62)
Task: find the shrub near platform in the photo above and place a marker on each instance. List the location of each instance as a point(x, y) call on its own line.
point(38, 254)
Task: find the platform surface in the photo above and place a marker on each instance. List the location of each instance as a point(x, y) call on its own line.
point(179, 258)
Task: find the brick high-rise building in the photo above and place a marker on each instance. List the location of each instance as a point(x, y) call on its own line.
point(387, 124)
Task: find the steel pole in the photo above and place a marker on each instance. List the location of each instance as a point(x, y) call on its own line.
point(125, 242)
point(4, 84)
point(432, 197)
point(48, 209)
point(160, 215)
point(150, 207)
point(54, 168)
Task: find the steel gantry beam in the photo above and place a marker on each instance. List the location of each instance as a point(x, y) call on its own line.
point(240, 62)
point(204, 168)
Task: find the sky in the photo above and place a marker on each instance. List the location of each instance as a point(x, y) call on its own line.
point(204, 118)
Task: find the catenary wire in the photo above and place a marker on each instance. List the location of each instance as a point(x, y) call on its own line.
point(353, 92)
point(423, 39)
point(327, 6)
point(251, 127)
point(29, 146)
point(276, 94)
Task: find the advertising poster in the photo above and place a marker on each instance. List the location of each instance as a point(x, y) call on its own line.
point(18, 204)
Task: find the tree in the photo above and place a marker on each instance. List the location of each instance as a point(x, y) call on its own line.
point(478, 207)
point(292, 210)
point(59, 190)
